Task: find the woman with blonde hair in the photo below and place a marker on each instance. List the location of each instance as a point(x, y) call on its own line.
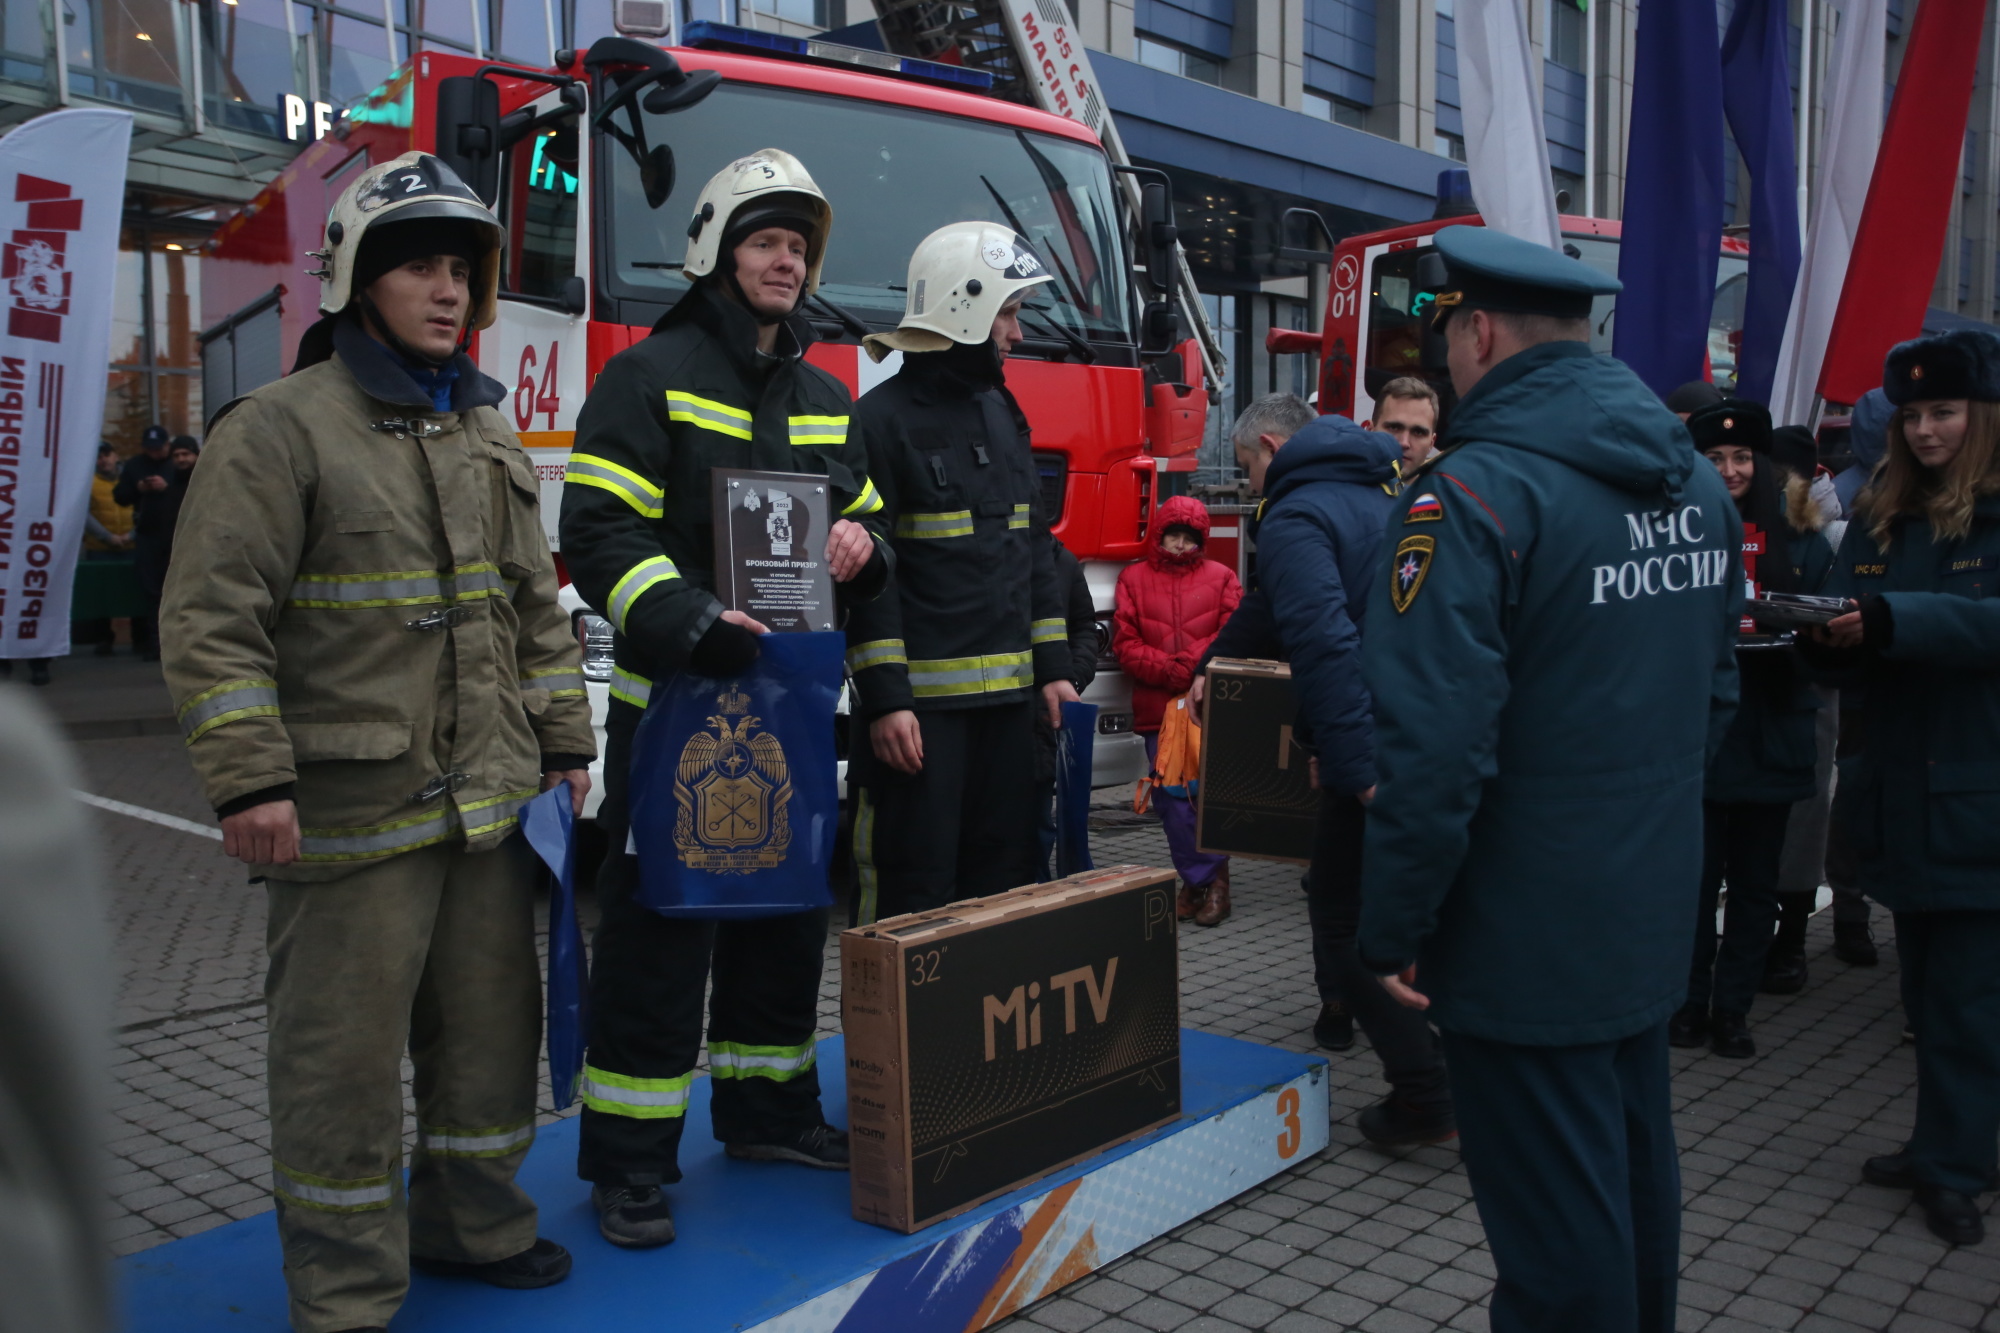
point(1920, 802)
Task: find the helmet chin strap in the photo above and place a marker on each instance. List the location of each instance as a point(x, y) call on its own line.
point(373, 315)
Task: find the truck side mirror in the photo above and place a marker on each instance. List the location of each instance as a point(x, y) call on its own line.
point(1159, 328)
point(575, 296)
point(1159, 238)
point(468, 133)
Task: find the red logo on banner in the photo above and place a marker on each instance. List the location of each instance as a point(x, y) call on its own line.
point(31, 263)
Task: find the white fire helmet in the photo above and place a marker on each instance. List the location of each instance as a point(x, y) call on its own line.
point(960, 277)
point(770, 187)
point(415, 187)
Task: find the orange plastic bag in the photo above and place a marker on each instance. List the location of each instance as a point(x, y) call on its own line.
point(1176, 758)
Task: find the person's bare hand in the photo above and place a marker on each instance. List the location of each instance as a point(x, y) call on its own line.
point(579, 785)
point(898, 740)
point(1312, 771)
point(1366, 797)
point(263, 835)
point(1198, 690)
point(1055, 694)
point(743, 618)
point(1841, 632)
point(152, 483)
point(849, 548)
point(1403, 987)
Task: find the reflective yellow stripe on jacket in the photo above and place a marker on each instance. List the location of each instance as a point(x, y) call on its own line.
point(1019, 518)
point(818, 430)
point(877, 652)
point(587, 470)
point(648, 573)
point(951, 523)
point(407, 587)
point(231, 701)
point(633, 689)
point(560, 682)
point(326, 845)
point(1050, 631)
point(867, 502)
point(708, 414)
point(990, 674)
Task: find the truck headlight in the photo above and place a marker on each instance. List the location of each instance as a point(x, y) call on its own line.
point(593, 635)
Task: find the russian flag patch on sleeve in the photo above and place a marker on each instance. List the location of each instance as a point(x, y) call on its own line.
point(1425, 509)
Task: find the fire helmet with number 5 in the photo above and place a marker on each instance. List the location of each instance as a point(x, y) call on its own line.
point(409, 208)
point(769, 188)
point(961, 277)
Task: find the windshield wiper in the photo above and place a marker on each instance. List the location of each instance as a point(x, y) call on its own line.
point(1082, 350)
point(847, 321)
point(1074, 295)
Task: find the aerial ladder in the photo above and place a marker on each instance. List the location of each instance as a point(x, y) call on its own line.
point(1036, 57)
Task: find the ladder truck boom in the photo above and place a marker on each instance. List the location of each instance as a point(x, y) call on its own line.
point(1036, 57)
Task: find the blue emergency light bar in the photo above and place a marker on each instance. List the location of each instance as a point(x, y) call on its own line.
point(711, 36)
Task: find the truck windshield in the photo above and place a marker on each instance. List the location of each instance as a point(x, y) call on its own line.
point(893, 176)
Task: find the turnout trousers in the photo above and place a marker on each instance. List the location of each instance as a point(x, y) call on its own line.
point(433, 951)
point(647, 977)
point(1570, 1150)
point(962, 826)
point(1951, 992)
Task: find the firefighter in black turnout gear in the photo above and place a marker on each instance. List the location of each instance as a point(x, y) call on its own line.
point(721, 382)
point(951, 662)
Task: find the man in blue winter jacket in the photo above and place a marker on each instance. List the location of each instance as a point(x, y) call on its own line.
point(1551, 654)
point(1319, 551)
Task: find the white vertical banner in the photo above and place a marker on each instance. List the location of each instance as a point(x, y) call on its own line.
point(62, 189)
point(1506, 146)
point(1853, 133)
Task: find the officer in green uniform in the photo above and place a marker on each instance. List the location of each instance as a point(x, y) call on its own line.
point(1920, 802)
point(1551, 658)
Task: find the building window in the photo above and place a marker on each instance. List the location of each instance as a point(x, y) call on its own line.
point(1336, 109)
point(1155, 54)
point(1340, 52)
point(1566, 34)
point(1448, 145)
point(812, 13)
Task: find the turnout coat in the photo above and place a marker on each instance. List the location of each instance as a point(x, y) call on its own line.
point(1551, 653)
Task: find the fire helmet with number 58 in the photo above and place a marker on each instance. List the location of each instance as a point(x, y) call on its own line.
point(961, 277)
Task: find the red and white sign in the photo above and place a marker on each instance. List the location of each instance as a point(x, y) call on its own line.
point(1053, 56)
point(62, 188)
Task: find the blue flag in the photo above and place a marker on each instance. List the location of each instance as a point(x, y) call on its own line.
point(548, 824)
point(1757, 94)
point(734, 794)
point(1673, 195)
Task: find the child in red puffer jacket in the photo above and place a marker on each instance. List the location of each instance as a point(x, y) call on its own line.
point(1170, 607)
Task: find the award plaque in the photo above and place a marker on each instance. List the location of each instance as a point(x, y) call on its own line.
point(770, 548)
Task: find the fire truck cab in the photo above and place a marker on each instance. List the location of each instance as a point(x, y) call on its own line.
point(596, 164)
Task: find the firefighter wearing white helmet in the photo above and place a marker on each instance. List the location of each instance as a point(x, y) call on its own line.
point(953, 662)
point(373, 673)
point(721, 382)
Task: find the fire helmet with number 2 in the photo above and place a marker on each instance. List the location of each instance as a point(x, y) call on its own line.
point(961, 277)
point(769, 188)
point(413, 189)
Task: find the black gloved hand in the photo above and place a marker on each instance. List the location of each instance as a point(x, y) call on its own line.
point(727, 649)
point(1878, 625)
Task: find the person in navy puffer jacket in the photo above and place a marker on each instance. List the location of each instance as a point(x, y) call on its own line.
point(1170, 606)
point(1319, 549)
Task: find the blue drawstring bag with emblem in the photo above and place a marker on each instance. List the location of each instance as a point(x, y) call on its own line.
point(1073, 768)
point(734, 795)
point(548, 824)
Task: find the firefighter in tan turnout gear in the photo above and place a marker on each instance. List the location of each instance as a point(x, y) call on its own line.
point(373, 674)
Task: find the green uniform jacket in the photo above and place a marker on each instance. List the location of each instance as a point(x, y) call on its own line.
point(362, 603)
point(1551, 655)
point(975, 616)
point(1768, 754)
point(638, 528)
point(1920, 802)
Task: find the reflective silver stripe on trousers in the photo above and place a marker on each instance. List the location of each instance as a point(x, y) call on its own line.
point(446, 1141)
point(354, 1196)
point(608, 1092)
point(247, 696)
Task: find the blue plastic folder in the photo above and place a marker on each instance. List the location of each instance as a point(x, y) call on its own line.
point(1073, 759)
point(735, 801)
point(550, 829)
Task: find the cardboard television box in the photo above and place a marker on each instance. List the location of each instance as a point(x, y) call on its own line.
point(995, 1040)
point(1256, 796)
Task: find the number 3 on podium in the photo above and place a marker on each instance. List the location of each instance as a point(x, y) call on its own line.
point(1288, 1113)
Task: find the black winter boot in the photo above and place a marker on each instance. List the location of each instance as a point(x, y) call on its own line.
point(1395, 1123)
point(1688, 1028)
point(542, 1264)
point(822, 1146)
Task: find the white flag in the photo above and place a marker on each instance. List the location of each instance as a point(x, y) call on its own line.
point(1506, 147)
point(62, 189)
point(1847, 163)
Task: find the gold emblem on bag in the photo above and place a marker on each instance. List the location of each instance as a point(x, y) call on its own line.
point(733, 785)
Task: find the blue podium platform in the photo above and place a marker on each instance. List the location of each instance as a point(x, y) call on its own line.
point(773, 1248)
